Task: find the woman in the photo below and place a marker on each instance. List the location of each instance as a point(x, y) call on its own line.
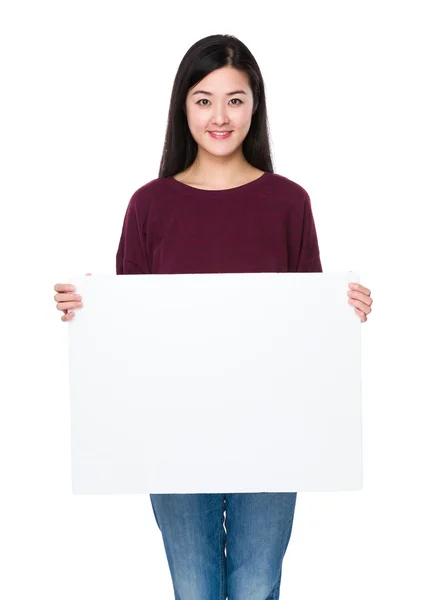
point(218, 207)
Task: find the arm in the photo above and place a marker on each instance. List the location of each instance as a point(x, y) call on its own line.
point(131, 256)
point(304, 255)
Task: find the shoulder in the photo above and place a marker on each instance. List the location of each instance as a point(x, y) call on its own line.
point(290, 188)
point(293, 195)
point(148, 194)
point(151, 188)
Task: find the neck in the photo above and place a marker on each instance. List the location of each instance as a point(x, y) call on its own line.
point(218, 170)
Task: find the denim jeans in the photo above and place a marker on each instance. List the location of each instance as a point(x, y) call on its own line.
point(238, 560)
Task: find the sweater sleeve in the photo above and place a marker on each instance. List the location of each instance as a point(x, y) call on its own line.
point(304, 255)
point(131, 256)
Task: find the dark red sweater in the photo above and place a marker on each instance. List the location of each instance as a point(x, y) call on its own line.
point(263, 226)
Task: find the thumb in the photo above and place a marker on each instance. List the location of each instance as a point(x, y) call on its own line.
point(88, 273)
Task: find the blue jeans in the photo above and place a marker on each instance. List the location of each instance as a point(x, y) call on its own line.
point(202, 565)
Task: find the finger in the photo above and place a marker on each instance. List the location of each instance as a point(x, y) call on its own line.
point(66, 305)
point(67, 297)
point(361, 315)
point(67, 317)
point(356, 303)
point(358, 287)
point(64, 287)
point(360, 296)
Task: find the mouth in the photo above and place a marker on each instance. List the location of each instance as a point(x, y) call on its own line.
point(220, 135)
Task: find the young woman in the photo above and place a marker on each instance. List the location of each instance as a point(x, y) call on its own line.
point(218, 207)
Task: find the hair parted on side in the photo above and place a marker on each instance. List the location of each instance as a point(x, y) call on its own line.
point(208, 54)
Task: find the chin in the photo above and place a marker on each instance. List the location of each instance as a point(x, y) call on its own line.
point(219, 148)
point(226, 152)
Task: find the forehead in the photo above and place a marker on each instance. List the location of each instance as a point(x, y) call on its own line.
point(222, 81)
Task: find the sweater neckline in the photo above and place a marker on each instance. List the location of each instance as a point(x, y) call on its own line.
point(189, 188)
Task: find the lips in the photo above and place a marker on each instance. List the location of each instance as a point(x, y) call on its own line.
point(220, 136)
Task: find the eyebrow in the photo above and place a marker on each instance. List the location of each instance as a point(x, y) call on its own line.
point(210, 93)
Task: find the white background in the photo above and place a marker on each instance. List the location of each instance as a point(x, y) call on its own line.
point(353, 92)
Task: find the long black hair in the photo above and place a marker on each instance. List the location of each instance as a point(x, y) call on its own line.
point(207, 55)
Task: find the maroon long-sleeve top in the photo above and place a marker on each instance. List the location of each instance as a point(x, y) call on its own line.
point(263, 226)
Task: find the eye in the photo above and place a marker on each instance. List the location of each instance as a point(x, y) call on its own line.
point(238, 99)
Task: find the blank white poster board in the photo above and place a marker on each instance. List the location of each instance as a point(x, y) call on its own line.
point(215, 383)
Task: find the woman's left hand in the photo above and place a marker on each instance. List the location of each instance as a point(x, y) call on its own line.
point(360, 296)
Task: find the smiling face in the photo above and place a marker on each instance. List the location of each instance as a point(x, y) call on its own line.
point(222, 101)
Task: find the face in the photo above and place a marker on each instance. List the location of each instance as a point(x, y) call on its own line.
point(211, 106)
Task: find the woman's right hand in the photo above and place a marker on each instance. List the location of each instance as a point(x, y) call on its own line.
point(67, 298)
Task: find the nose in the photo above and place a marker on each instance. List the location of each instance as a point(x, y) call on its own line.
point(220, 114)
